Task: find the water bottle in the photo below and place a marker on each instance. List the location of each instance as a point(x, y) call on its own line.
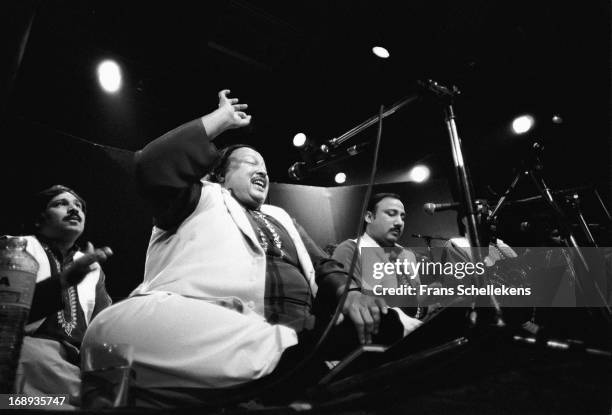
point(18, 271)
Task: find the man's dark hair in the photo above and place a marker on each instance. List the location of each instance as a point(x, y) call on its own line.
point(220, 167)
point(39, 201)
point(374, 200)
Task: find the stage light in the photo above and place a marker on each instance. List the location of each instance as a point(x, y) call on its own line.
point(419, 173)
point(299, 140)
point(340, 178)
point(522, 124)
point(109, 76)
point(556, 119)
point(380, 52)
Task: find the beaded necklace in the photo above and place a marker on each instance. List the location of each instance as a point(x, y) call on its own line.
point(263, 239)
point(68, 326)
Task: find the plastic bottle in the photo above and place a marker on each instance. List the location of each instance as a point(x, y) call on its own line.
point(18, 271)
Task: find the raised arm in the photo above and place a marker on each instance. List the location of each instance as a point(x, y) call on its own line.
point(169, 169)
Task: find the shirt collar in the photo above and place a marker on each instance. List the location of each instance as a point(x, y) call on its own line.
point(368, 242)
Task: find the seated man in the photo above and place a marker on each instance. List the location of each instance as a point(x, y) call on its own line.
point(384, 226)
point(458, 249)
point(229, 281)
point(69, 293)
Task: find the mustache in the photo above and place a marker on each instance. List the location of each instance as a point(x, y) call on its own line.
point(73, 216)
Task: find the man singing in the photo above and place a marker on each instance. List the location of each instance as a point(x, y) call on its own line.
point(229, 281)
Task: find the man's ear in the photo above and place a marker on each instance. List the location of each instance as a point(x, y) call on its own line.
point(40, 220)
point(369, 217)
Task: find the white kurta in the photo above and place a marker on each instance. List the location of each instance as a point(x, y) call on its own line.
point(197, 319)
point(43, 366)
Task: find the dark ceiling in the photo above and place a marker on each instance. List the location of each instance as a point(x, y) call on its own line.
point(307, 66)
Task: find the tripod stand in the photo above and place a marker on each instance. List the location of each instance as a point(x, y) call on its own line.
point(532, 167)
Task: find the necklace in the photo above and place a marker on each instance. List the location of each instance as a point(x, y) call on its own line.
point(263, 239)
point(68, 326)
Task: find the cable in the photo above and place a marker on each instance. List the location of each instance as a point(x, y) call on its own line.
point(301, 364)
point(364, 206)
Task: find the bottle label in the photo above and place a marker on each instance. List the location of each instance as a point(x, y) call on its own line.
point(17, 288)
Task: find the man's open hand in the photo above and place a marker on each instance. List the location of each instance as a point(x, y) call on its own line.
point(235, 116)
point(83, 265)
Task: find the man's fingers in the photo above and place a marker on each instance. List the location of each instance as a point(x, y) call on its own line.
point(244, 119)
point(89, 249)
point(233, 101)
point(375, 312)
point(98, 255)
point(357, 319)
point(223, 94)
point(240, 107)
point(382, 305)
point(101, 255)
point(368, 324)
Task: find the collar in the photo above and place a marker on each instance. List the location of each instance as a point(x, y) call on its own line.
point(368, 242)
point(49, 245)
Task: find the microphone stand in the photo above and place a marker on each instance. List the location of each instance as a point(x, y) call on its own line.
point(532, 168)
point(603, 205)
point(428, 239)
point(446, 96)
point(574, 202)
point(335, 142)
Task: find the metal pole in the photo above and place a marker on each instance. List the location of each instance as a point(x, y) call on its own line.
point(467, 201)
point(334, 142)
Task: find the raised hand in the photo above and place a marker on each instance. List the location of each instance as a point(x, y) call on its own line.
point(80, 267)
point(230, 114)
point(234, 112)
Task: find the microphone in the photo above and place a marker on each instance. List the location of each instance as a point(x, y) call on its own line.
point(431, 208)
point(301, 169)
point(297, 171)
point(525, 226)
point(420, 236)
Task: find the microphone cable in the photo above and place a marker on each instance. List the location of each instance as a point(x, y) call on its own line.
point(239, 397)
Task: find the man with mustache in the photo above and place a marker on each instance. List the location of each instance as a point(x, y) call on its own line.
point(69, 292)
point(384, 226)
point(229, 281)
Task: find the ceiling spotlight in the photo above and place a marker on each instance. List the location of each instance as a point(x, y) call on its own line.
point(109, 76)
point(556, 119)
point(299, 139)
point(380, 52)
point(340, 178)
point(522, 124)
point(419, 173)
